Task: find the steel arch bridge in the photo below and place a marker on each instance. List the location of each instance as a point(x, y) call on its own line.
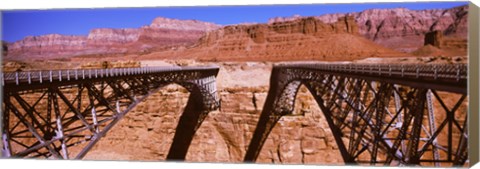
point(61, 114)
point(385, 114)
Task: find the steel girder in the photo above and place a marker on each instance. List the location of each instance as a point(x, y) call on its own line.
point(62, 116)
point(378, 117)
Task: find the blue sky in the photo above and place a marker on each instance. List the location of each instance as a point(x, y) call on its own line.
point(20, 23)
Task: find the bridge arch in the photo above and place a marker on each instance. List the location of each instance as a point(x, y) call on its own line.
point(70, 105)
point(375, 113)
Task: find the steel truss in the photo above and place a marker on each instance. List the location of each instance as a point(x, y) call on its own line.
point(378, 114)
point(61, 115)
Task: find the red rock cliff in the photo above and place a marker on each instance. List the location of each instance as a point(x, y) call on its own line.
point(300, 39)
point(162, 32)
point(401, 28)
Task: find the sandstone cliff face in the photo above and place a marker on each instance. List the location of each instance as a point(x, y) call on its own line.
point(105, 36)
point(437, 44)
point(175, 24)
point(43, 45)
point(401, 28)
point(301, 39)
point(162, 32)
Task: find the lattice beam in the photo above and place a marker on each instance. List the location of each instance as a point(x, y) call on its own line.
point(378, 114)
point(63, 114)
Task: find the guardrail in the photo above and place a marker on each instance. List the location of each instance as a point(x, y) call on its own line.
point(454, 72)
point(16, 78)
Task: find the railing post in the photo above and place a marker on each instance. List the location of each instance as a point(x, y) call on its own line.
point(68, 75)
point(402, 70)
point(60, 75)
point(417, 71)
point(389, 70)
point(16, 78)
point(29, 77)
point(50, 75)
point(41, 78)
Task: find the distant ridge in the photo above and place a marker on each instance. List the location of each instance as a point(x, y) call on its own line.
point(161, 33)
point(400, 29)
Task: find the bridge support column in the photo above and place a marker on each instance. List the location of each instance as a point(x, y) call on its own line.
point(276, 106)
point(189, 122)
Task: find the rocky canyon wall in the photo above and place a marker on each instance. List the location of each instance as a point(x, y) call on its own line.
point(161, 33)
point(401, 28)
point(302, 39)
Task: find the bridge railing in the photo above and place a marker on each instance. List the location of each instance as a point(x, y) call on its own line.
point(455, 72)
point(16, 78)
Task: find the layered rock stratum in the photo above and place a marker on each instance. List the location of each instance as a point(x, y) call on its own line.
point(401, 28)
point(161, 33)
point(300, 39)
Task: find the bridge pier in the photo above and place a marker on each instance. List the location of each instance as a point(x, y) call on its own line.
point(190, 120)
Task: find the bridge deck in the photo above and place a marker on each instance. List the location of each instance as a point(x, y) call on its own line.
point(447, 77)
point(42, 78)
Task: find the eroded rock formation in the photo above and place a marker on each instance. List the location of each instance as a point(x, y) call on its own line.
point(161, 33)
point(301, 39)
point(433, 38)
point(401, 28)
point(437, 44)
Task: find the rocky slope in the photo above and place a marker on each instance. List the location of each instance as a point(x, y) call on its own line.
point(161, 33)
point(436, 44)
point(401, 28)
point(301, 39)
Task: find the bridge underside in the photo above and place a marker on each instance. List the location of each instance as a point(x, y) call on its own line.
point(375, 121)
point(64, 121)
